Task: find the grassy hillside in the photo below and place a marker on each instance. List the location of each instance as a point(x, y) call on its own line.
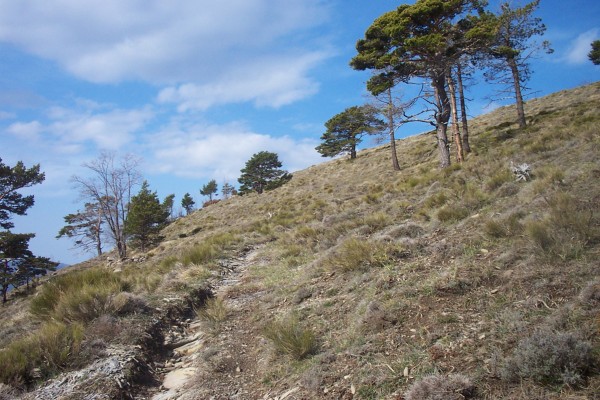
point(364, 280)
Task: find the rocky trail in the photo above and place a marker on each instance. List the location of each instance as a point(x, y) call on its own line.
point(211, 362)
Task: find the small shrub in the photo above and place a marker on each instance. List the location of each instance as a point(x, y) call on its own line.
point(452, 213)
point(550, 358)
point(290, 338)
point(441, 387)
point(210, 203)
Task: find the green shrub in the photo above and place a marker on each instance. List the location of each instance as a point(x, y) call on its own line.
point(550, 358)
point(290, 338)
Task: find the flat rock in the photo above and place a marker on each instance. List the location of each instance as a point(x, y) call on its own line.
point(178, 378)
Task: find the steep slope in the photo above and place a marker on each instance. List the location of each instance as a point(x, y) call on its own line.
point(396, 275)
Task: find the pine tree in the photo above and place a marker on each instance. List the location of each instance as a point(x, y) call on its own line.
point(416, 42)
point(147, 216)
point(13, 179)
point(85, 227)
point(346, 129)
point(187, 202)
point(594, 54)
point(209, 189)
point(513, 47)
point(262, 172)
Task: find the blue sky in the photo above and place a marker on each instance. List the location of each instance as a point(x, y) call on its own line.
point(195, 87)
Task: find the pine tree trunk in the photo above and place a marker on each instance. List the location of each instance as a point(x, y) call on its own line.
point(514, 69)
point(395, 163)
point(353, 152)
point(454, 110)
point(441, 119)
point(463, 110)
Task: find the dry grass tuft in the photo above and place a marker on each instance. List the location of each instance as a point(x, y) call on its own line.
point(289, 337)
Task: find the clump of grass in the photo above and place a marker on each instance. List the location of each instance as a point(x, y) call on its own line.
point(289, 337)
point(214, 312)
point(552, 358)
point(78, 296)
point(452, 213)
point(41, 354)
point(441, 387)
point(436, 200)
point(498, 179)
point(376, 221)
point(568, 228)
point(495, 229)
point(358, 255)
point(209, 250)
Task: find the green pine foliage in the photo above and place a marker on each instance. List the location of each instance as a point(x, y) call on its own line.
point(147, 216)
point(262, 172)
point(187, 202)
point(210, 189)
point(594, 54)
point(346, 129)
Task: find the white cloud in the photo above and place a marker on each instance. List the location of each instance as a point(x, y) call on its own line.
point(226, 49)
point(27, 131)
point(267, 82)
point(581, 46)
point(220, 151)
point(6, 115)
point(70, 131)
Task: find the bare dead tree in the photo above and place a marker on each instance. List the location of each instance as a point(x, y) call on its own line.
point(110, 186)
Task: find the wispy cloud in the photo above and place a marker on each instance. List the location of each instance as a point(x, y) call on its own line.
point(579, 48)
point(207, 151)
point(209, 52)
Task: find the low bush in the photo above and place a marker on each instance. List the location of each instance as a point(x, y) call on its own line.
point(289, 337)
point(441, 387)
point(550, 358)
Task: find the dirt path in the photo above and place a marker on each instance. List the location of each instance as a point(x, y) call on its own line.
point(216, 362)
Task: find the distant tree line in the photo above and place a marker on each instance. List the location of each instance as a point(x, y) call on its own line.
point(113, 213)
point(435, 45)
